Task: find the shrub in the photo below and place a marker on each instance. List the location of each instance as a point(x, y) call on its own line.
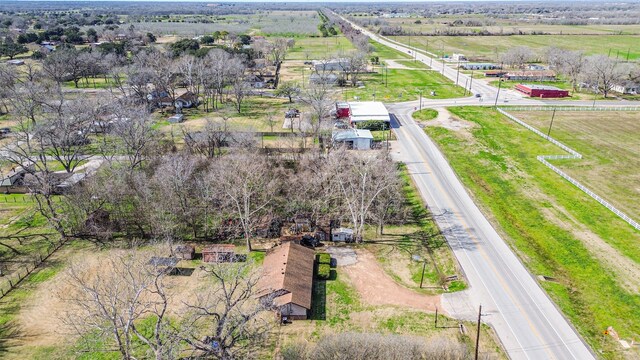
point(324, 271)
point(324, 258)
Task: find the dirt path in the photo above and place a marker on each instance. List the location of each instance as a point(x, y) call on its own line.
point(377, 288)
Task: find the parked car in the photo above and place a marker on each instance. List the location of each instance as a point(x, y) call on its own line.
point(292, 113)
point(4, 131)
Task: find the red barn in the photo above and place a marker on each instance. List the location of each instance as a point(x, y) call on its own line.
point(542, 91)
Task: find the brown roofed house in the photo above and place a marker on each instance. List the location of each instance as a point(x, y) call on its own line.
point(287, 280)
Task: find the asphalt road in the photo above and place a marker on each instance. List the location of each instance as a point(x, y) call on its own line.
point(527, 322)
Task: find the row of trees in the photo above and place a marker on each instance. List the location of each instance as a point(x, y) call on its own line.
point(599, 72)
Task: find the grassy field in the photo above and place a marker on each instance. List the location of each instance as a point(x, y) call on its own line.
point(611, 150)
point(489, 48)
point(316, 48)
point(556, 229)
point(507, 24)
point(404, 85)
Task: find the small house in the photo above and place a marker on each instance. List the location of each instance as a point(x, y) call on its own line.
point(458, 57)
point(186, 100)
point(333, 65)
point(287, 281)
point(329, 78)
point(185, 252)
point(479, 66)
point(628, 87)
point(357, 139)
point(536, 67)
point(494, 73)
point(342, 235)
point(531, 75)
point(219, 253)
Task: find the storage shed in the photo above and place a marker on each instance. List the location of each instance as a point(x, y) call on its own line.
point(357, 139)
point(185, 252)
point(342, 235)
point(219, 253)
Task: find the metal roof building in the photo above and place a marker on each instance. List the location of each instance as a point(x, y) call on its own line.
point(368, 111)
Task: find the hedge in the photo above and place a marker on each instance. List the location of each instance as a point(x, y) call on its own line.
point(323, 258)
point(324, 271)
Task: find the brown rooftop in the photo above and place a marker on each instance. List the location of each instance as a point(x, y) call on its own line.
point(288, 267)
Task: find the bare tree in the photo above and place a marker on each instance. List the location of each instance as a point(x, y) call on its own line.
point(603, 73)
point(248, 186)
point(518, 56)
point(110, 297)
point(360, 180)
point(289, 89)
point(318, 97)
point(238, 82)
point(134, 133)
point(226, 321)
point(210, 140)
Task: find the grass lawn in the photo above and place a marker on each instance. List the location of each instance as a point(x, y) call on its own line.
point(486, 47)
point(384, 52)
point(556, 229)
point(425, 114)
point(404, 85)
point(316, 48)
point(419, 236)
point(338, 308)
point(609, 143)
point(92, 83)
point(413, 64)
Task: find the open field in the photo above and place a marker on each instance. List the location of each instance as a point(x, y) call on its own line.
point(439, 24)
point(611, 149)
point(317, 48)
point(271, 23)
point(489, 48)
point(404, 85)
point(591, 256)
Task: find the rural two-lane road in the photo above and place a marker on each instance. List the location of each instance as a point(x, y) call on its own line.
point(527, 322)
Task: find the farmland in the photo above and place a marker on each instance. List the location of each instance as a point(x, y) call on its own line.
point(558, 231)
point(489, 48)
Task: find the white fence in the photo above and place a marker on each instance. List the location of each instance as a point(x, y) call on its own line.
point(574, 108)
point(564, 147)
point(574, 155)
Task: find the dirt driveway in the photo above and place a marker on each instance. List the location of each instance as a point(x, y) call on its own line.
point(377, 288)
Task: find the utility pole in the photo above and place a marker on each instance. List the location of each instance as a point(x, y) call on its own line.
point(458, 71)
point(466, 82)
point(478, 333)
point(436, 325)
point(424, 265)
point(550, 125)
point(498, 93)
point(471, 82)
point(421, 109)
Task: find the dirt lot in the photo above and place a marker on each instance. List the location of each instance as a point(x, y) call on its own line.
point(42, 317)
point(377, 288)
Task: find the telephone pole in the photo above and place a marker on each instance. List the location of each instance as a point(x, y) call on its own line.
point(550, 125)
point(478, 333)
